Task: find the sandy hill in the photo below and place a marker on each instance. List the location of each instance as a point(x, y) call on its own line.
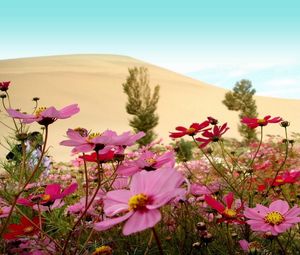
point(95, 83)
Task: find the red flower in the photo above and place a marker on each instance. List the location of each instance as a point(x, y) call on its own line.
point(24, 228)
point(228, 213)
point(101, 157)
point(212, 135)
point(191, 131)
point(255, 122)
point(287, 177)
point(4, 85)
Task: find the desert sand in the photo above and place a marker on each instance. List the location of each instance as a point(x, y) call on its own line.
point(95, 83)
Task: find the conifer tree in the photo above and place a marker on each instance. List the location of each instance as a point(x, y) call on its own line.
point(241, 99)
point(142, 104)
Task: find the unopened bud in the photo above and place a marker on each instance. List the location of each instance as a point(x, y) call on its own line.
point(284, 124)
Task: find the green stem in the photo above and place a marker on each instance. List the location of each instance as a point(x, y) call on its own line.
point(86, 209)
point(26, 183)
point(161, 252)
point(281, 165)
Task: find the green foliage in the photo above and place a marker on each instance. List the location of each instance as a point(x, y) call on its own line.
point(184, 150)
point(241, 99)
point(141, 103)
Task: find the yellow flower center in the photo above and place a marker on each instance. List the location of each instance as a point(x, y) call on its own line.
point(28, 229)
point(39, 110)
point(1, 211)
point(191, 131)
point(102, 250)
point(261, 121)
point(274, 218)
point(138, 201)
point(229, 213)
point(46, 197)
point(93, 135)
point(150, 161)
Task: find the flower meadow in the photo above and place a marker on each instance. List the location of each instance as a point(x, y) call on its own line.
point(114, 197)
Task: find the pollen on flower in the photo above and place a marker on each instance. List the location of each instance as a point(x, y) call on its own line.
point(261, 122)
point(274, 218)
point(103, 250)
point(39, 110)
point(93, 135)
point(150, 161)
point(28, 229)
point(230, 213)
point(138, 201)
point(46, 197)
point(1, 211)
point(191, 131)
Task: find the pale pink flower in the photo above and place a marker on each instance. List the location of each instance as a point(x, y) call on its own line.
point(148, 192)
point(277, 218)
point(45, 116)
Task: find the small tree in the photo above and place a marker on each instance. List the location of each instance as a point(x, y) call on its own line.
point(141, 103)
point(241, 99)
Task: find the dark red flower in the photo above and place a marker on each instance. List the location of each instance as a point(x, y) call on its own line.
point(24, 228)
point(255, 122)
point(4, 85)
point(101, 157)
point(212, 135)
point(191, 131)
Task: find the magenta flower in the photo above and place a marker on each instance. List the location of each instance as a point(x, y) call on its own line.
point(4, 85)
point(255, 122)
point(228, 212)
point(52, 193)
point(147, 161)
point(212, 135)
point(45, 116)
point(277, 218)
point(148, 192)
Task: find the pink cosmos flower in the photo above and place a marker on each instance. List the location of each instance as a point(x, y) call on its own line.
point(45, 116)
point(250, 248)
point(212, 135)
point(148, 192)
point(191, 131)
point(199, 189)
point(277, 218)
point(147, 161)
point(255, 122)
point(4, 85)
point(84, 142)
point(229, 214)
point(79, 207)
point(52, 193)
point(4, 211)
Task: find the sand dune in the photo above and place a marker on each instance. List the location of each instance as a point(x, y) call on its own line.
point(95, 83)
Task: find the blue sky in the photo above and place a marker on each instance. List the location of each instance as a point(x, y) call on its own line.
point(215, 41)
